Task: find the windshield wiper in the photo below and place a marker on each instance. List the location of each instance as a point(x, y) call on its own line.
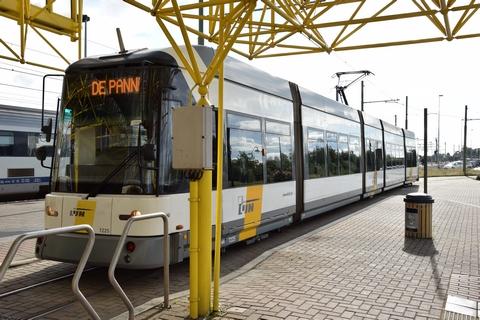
point(117, 169)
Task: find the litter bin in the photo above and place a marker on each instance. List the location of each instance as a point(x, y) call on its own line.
point(418, 215)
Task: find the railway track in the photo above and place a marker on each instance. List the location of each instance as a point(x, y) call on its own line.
point(20, 213)
point(42, 283)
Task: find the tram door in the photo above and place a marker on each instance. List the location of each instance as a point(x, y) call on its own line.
point(374, 174)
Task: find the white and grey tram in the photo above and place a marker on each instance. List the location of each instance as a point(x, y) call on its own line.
point(21, 175)
point(289, 154)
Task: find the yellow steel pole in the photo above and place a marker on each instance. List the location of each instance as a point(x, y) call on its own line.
point(23, 36)
point(194, 249)
point(205, 243)
point(204, 228)
point(79, 25)
point(219, 215)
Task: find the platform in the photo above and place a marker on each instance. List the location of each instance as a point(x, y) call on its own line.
point(351, 263)
point(362, 267)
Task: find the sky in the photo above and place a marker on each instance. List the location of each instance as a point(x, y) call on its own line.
point(422, 72)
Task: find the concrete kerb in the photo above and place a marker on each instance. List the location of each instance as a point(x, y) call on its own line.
point(245, 268)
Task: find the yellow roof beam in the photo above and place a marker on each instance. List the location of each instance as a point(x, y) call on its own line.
point(41, 20)
point(42, 17)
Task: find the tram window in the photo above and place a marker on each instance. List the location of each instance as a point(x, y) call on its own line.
point(388, 155)
point(316, 153)
point(397, 156)
point(245, 123)
point(354, 148)
point(370, 150)
point(276, 127)
point(344, 162)
point(401, 156)
point(279, 151)
point(332, 154)
point(279, 158)
point(378, 156)
point(245, 159)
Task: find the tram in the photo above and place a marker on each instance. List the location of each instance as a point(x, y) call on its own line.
point(290, 154)
point(21, 175)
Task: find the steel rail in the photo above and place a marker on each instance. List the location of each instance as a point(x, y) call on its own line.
point(81, 264)
point(39, 284)
point(166, 260)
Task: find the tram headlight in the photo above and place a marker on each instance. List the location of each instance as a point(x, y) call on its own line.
point(135, 213)
point(51, 212)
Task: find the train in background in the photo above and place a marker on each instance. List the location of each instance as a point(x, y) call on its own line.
point(290, 154)
point(21, 174)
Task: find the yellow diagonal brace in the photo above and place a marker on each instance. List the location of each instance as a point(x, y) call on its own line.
point(50, 45)
point(178, 51)
point(194, 6)
point(390, 44)
point(363, 24)
point(315, 6)
point(224, 48)
point(186, 39)
point(10, 49)
point(315, 32)
point(233, 15)
point(431, 17)
point(448, 30)
point(464, 18)
point(271, 45)
point(451, 3)
point(138, 5)
point(262, 18)
point(360, 5)
point(293, 22)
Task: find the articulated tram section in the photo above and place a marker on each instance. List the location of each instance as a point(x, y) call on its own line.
point(184, 182)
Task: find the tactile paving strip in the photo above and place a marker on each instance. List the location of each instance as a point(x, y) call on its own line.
point(462, 300)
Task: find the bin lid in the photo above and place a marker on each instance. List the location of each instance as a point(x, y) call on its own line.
point(418, 197)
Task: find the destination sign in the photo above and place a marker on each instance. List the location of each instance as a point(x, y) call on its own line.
point(127, 85)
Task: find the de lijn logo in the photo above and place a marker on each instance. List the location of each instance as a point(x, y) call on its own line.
point(79, 212)
point(247, 206)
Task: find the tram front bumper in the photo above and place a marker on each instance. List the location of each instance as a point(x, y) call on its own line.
point(148, 253)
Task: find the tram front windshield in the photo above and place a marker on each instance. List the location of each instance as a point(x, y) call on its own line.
point(110, 127)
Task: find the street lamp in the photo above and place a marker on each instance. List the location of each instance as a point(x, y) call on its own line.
point(85, 19)
point(438, 133)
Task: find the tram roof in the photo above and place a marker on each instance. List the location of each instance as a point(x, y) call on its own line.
point(15, 118)
point(314, 100)
point(245, 74)
point(392, 129)
point(371, 121)
point(140, 57)
point(409, 134)
point(238, 71)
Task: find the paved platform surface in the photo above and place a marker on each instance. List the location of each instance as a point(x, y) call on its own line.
point(362, 267)
point(17, 218)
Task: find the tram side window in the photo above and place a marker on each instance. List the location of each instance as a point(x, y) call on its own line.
point(279, 152)
point(344, 162)
point(244, 147)
point(354, 147)
point(378, 156)
point(411, 156)
point(398, 160)
point(332, 154)
point(370, 150)
point(401, 156)
point(316, 153)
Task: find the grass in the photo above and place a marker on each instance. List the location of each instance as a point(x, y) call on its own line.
point(441, 172)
